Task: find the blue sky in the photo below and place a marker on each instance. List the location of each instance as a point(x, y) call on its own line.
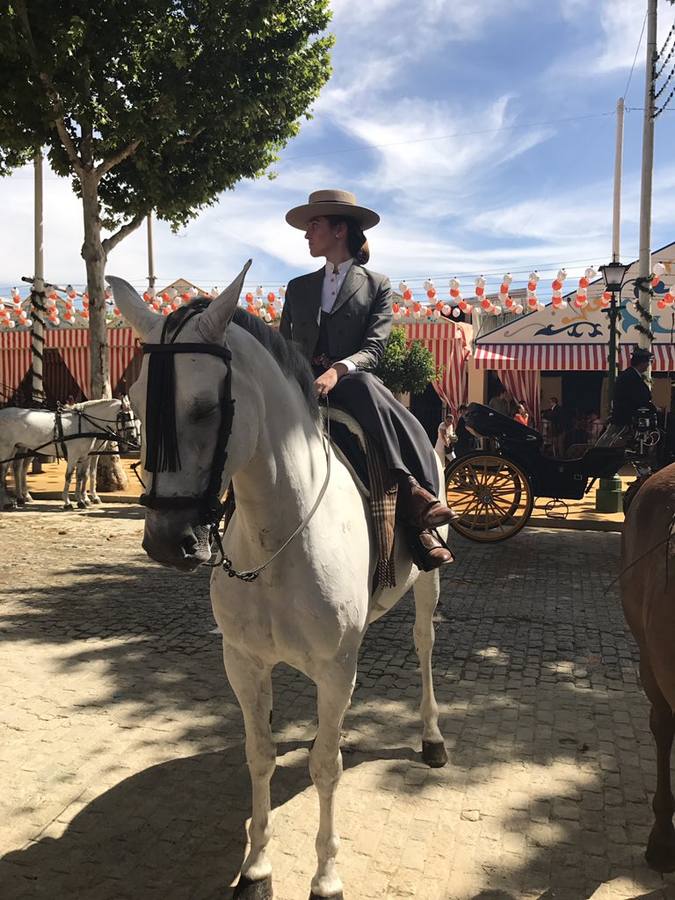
point(482, 132)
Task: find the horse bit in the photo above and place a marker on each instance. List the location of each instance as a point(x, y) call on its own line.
point(212, 510)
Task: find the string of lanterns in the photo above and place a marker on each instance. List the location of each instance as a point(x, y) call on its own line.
point(62, 305)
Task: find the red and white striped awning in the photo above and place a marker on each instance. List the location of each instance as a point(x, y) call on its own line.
point(73, 345)
point(564, 357)
point(553, 357)
point(448, 345)
point(664, 357)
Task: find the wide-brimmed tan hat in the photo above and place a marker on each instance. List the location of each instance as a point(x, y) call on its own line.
point(331, 203)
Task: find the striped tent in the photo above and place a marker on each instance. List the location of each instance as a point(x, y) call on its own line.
point(447, 342)
point(564, 357)
point(73, 346)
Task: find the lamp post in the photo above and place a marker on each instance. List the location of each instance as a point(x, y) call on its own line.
point(608, 497)
point(614, 274)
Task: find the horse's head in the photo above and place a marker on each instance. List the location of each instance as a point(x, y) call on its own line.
point(192, 442)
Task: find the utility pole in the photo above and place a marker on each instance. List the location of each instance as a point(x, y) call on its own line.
point(37, 293)
point(151, 255)
point(644, 304)
point(618, 168)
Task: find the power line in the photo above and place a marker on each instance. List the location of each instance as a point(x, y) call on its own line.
point(441, 137)
point(637, 50)
point(661, 51)
point(447, 137)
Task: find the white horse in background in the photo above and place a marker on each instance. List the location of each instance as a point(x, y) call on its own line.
point(23, 430)
point(312, 601)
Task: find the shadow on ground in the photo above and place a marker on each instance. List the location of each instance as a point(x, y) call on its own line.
point(532, 666)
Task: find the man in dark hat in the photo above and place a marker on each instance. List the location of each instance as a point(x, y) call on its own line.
point(631, 392)
point(341, 317)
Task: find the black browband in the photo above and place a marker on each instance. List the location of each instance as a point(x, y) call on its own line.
point(213, 349)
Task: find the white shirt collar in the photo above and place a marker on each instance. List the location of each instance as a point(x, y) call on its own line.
point(342, 267)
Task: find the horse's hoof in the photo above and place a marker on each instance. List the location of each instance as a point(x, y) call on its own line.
point(660, 853)
point(20, 501)
point(67, 506)
point(96, 500)
point(28, 498)
point(253, 890)
point(338, 896)
point(81, 504)
point(434, 754)
point(9, 506)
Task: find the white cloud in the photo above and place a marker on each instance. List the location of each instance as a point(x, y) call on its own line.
point(431, 154)
point(610, 32)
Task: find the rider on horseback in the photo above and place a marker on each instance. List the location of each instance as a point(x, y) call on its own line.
point(341, 317)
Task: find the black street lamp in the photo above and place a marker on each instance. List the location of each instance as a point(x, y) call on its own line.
point(614, 274)
point(609, 497)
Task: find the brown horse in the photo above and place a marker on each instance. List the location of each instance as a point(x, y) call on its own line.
point(648, 596)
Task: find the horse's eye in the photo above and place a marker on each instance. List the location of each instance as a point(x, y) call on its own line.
point(203, 411)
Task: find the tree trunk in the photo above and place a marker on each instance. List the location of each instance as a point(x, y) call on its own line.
point(95, 260)
point(111, 475)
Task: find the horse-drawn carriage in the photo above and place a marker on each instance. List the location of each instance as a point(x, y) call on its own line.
point(494, 489)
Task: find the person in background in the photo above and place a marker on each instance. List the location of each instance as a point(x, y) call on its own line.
point(446, 439)
point(631, 392)
point(594, 425)
point(555, 416)
point(522, 414)
point(466, 442)
point(501, 402)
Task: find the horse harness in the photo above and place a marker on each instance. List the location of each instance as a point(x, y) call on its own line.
point(125, 432)
point(162, 452)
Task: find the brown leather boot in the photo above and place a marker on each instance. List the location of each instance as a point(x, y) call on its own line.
point(431, 552)
point(420, 508)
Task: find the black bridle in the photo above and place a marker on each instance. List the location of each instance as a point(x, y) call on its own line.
point(162, 453)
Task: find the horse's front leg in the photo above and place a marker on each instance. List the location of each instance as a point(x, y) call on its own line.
point(25, 493)
point(334, 691)
point(81, 484)
point(70, 468)
point(17, 471)
point(426, 590)
point(93, 475)
point(660, 853)
point(4, 467)
point(252, 684)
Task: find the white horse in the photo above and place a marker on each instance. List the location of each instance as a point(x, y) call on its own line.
point(312, 601)
point(23, 430)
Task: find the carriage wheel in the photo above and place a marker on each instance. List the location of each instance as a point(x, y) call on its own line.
point(492, 496)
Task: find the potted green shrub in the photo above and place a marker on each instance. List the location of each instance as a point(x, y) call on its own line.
point(406, 368)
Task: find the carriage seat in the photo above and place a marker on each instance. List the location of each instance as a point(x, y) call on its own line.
point(486, 422)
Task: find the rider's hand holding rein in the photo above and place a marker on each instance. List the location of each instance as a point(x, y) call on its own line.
point(328, 379)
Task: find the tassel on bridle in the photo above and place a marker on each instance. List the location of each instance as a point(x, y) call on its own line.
point(162, 453)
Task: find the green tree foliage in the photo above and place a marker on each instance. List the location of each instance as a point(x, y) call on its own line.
point(153, 105)
point(406, 367)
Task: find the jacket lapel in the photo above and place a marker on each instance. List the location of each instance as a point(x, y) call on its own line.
point(312, 299)
point(353, 281)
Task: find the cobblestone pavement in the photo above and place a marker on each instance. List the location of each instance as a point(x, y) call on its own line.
point(122, 772)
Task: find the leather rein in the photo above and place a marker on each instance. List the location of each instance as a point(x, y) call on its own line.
point(209, 504)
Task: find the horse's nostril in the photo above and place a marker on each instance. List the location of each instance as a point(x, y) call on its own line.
point(189, 545)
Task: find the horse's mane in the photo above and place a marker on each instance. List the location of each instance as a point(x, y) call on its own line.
point(289, 358)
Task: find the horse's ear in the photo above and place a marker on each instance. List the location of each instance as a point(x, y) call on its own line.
point(131, 306)
point(218, 315)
